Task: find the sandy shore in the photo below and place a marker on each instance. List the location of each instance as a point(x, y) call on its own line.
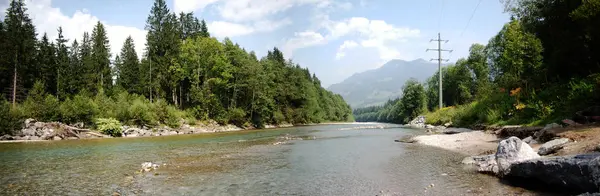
point(468, 143)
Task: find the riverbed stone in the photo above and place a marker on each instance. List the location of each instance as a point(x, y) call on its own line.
point(34, 137)
point(56, 138)
point(148, 166)
point(6, 137)
point(512, 150)
point(552, 146)
point(484, 163)
point(173, 133)
point(575, 172)
point(28, 131)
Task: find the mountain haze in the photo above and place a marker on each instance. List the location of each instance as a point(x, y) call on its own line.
point(376, 86)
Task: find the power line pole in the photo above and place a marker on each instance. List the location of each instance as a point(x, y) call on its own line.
point(439, 59)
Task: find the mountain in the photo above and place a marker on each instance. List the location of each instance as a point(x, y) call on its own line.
point(374, 87)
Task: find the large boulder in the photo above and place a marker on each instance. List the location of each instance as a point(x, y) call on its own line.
point(552, 146)
point(579, 173)
point(512, 150)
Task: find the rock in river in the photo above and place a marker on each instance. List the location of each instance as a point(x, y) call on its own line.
point(484, 163)
point(577, 172)
point(552, 146)
point(147, 166)
point(512, 150)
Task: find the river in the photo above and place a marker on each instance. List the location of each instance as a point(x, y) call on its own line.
point(341, 159)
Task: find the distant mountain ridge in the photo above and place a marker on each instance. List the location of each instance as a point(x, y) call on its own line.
point(374, 87)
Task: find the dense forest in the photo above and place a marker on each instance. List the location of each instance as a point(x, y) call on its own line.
point(541, 67)
point(184, 75)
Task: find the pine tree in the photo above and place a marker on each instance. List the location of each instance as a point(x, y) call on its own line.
point(86, 63)
point(203, 29)
point(129, 67)
point(21, 37)
point(76, 80)
point(62, 65)
point(156, 46)
point(46, 61)
point(101, 57)
point(5, 79)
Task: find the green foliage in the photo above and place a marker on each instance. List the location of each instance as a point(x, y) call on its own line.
point(109, 126)
point(140, 113)
point(13, 118)
point(168, 114)
point(79, 109)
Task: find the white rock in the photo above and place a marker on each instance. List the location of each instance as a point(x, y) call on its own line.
point(512, 150)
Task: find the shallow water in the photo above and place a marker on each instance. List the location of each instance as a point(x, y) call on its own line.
point(352, 159)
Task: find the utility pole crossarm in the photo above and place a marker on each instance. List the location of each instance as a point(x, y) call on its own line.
point(439, 40)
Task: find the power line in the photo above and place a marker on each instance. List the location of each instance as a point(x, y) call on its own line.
point(468, 22)
point(440, 59)
point(470, 18)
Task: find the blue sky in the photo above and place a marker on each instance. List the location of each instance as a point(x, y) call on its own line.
point(333, 38)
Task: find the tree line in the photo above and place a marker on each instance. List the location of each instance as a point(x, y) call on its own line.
point(542, 66)
point(184, 73)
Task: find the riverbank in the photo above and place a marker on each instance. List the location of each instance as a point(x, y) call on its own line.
point(552, 156)
point(35, 131)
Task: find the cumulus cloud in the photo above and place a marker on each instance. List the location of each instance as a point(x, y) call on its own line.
point(302, 40)
point(223, 29)
point(250, 16)
point(47, 19)
point(376, 34)
point(348, 44)
point(191, 5)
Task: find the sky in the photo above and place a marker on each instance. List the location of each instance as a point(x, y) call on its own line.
point(333, 38)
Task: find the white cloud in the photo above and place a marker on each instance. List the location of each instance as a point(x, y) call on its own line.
point(302, 40)
point(252, 10)
point(223, 29)
point(47, 19)
point(228, 29)
point(348, 44)
point(376, 34)
point(191, 5)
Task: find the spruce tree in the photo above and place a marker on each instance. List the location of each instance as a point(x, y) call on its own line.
point(129, 68)
point(46, 61)
point(76, 80)
point(62, 65)
point(21, 40)
point(101, 57)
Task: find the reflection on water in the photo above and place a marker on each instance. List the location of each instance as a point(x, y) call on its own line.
point(311, 160)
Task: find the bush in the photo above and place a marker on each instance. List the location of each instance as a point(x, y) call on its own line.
point(12, 118)
point(237, 116)
point(168, 114)
point(109, 126)
point(108, 105)
point(140, 113)
point(278, 117)
point(79, 109)
point(51, 109)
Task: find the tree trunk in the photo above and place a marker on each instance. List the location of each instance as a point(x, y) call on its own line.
point(14, 95)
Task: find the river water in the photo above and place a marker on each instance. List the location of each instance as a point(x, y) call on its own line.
point(349, 159)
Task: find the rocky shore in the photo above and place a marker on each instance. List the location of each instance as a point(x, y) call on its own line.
point(33, 130)
point(565, 158)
